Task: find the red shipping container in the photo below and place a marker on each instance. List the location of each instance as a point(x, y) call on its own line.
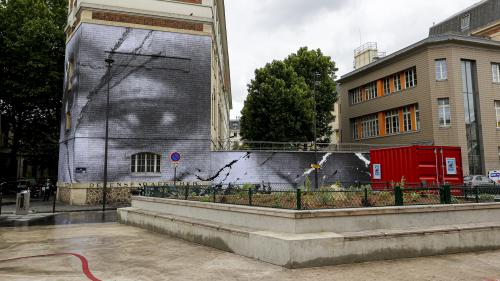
point(416, 165)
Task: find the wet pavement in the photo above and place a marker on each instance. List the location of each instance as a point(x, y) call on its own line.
point(39, 206)
point(110, 251)
point(41, 219)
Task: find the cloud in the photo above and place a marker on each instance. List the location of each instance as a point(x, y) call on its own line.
point(262, 30)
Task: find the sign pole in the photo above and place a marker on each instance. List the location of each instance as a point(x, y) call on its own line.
point(175, 157)
point(175, 174)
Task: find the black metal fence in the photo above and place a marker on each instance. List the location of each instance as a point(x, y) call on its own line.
point(356, 195)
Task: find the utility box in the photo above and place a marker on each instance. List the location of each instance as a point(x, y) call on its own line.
point(416, 165)
point(23, 203)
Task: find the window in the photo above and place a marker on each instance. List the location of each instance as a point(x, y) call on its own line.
point(397, 83)
point(370, 126)
point(371, 91)
point(387, 86)
point(497, 111)
point(441, 71)
point(495, 70)
point(444, 112)
point(392, 122)
point(417, 117)
point(407, 119)
point(354, 128)
point(355, 96)
point(411, 77)
point(145, 163)
point(465, 22)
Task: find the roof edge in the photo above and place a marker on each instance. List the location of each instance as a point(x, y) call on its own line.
point(420, 44)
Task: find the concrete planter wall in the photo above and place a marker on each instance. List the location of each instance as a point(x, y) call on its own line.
point(297, 239)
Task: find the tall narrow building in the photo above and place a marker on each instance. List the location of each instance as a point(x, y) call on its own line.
point(164, 66)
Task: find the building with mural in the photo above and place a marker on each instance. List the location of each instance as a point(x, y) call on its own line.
point(164, 66)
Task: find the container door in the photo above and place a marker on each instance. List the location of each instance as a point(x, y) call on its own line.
point(450, 166)
point(428, 166)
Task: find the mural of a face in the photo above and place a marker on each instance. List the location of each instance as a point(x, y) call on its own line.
point(160, 101)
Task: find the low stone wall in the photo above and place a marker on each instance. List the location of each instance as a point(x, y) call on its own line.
point(297, 239)
point(84, 195)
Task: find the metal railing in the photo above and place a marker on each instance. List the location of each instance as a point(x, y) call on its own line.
point(302, 146)
point(335, 196)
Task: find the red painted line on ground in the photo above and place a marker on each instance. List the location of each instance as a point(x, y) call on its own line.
point(85, 263)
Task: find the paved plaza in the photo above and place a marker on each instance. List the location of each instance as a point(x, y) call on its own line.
point(118, 252)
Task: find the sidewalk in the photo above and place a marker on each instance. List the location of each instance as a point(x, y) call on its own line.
point(123, 253)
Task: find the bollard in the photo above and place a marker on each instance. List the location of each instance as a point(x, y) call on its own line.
point(186, 192)
point(398, 196)
point(447, 194)
point(215, 191)
point(476, 194)
point(55, 198)
point(366, 203)
point(299, 199)
point(250, 194)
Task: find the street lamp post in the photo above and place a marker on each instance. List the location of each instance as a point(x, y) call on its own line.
point(316, 175)
point(109, 63)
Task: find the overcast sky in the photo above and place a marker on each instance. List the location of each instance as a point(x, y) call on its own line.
point(262, 30)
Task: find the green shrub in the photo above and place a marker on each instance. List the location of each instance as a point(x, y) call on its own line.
point(385, 196)
point(324, 197)
point(206, 198)
point(413, 196)
point(247, 186)
point(486, 197)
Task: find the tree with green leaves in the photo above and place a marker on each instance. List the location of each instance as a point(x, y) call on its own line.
point(285, 97)
point(32, 43)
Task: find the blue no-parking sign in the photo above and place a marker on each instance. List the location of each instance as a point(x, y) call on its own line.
point(175, 157)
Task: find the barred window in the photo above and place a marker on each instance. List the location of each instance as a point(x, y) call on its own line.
point(354, 128)
point(370, 126)
point(497, 113)
point(441, 70)
point(371, 90)
point(355, 96)
point(411, 77)
point(387, 87)
point(444, 112)
point(397, 83)
point(465, 22)
point(495, 71)
point(392, 122)
point(145, 163)
point(417, 117)
point(407, 119)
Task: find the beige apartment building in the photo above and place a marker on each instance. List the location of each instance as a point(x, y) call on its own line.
point(196, 17)
point(443, 90)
